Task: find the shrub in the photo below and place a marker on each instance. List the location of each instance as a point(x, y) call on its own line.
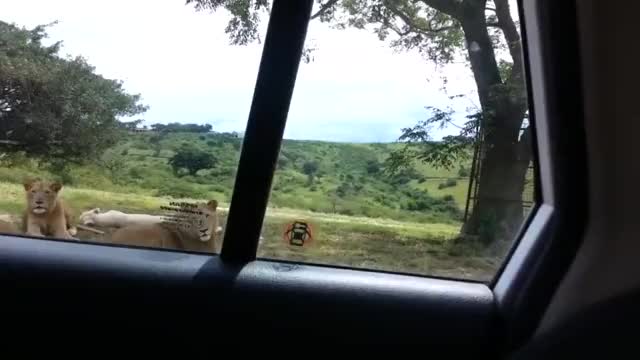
point(400, 180)
point(135, 173)
point(463, 172)
point(282, 162)
point(217, 188)
point(192, 159)
point(373, 167)
point(448, 183)
point(310, 168)
point(14, 175)
point(182, 190)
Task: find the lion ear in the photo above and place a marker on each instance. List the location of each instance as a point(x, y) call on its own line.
point(96, 211)
point(212, 205)
point(28, 183)
point(56, 186)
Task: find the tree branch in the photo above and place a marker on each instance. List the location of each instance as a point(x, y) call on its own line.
point(324, 8)
point(512, 37)
point(449, 7)
point(413, 27)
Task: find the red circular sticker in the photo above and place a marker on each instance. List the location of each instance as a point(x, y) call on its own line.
point(298, 233)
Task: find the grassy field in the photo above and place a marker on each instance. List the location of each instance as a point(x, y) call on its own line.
point(355, 241)
point(362, 216)
point(348, 178)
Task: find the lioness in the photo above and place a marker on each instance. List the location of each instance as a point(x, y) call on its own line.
point(46, 214)
point(117, 219)
point(195, 233)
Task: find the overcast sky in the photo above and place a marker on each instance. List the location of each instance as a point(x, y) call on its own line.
point(179, 60)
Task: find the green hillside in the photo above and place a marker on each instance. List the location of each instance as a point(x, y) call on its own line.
point(362, 217)
point(348, 178)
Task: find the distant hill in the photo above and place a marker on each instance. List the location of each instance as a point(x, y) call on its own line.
point(344, 178)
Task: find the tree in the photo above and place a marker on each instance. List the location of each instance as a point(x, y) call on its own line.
point(132, 125)
point(310, 168)
point(373, 167)
point(482, 31)
point(178, 127)
point(114, 164)
point(463, 172)
point(192, 159)
point(56, 108)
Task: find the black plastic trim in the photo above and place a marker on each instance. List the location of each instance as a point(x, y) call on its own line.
point(265, 128)
point(552, 240)
point(149, 291)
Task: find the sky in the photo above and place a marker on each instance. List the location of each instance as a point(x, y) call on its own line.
point(357, 89)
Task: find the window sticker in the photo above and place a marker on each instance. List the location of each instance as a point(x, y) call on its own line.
point(298, 233)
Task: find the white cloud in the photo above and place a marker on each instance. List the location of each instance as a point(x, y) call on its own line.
point(356, 89)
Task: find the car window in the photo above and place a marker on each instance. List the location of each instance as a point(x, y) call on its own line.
point(121, 122)
point(408, 142)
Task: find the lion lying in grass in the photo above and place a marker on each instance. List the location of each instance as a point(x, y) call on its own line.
point(195, 232)
point(46, 214)
point(117, 219)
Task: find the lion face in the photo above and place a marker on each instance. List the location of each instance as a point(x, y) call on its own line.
point(206, 222)
point(41, 195)
point(89, 217)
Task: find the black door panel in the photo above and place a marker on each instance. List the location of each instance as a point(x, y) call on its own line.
point(150, 292)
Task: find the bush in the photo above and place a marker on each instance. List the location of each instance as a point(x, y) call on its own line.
point(182, 190)
point(217, 188)
point(448, 183)
point(348, 212)
point(211, 143)
point(13, 175)
point(400, 180)
point(310, 168)
point(448, 197)
point(192, 159)
point(282, 162)
point(463, 172)
point(373, 167)
point(135, 173)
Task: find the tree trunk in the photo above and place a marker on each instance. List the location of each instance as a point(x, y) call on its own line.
point(498, 210)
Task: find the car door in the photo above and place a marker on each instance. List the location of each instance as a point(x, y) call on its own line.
point(127, 292)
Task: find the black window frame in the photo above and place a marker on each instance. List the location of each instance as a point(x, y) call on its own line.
point(521, 290)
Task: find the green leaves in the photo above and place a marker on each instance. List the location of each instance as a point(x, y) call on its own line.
point(245, 17)
point(56, 108)
point(446, 153)
point(192, 159)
